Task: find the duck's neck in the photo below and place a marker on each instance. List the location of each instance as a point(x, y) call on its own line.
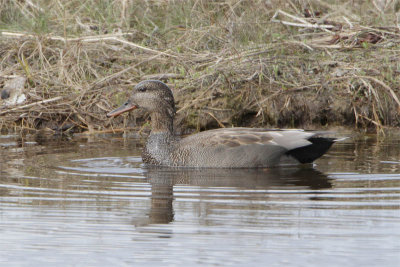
point(161, 140)
point(162, 123)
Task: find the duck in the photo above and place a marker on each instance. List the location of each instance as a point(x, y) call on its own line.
point(236, 147)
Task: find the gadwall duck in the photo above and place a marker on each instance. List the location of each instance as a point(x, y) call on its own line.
point(220, 148)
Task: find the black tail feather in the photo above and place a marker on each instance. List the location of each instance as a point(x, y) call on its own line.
point(308, 154)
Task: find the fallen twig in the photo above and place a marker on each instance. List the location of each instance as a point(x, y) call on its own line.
point(31, 104)
point(217, 120)
point(303, 24)
point(87, 39)
point(162, 76)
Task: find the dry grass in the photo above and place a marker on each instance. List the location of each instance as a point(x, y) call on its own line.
point(229, 62)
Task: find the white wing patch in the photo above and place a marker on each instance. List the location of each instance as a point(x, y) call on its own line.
point(291, 139)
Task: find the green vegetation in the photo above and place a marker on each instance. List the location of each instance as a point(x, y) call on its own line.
point(293, 63)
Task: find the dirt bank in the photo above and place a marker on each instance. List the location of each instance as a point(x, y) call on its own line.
point(304, 64)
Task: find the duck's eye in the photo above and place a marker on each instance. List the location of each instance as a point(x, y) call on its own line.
point(142, 89)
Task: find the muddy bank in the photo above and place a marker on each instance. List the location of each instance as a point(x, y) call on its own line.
point(251, 67)
point(221, 98)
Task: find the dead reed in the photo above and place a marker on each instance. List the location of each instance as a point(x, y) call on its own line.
point(229, 62)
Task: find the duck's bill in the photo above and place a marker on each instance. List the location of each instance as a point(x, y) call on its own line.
point(124, 108)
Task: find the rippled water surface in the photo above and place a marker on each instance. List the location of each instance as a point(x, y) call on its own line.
point(90, 202)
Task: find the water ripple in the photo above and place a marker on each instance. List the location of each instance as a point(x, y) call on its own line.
point(64, 205)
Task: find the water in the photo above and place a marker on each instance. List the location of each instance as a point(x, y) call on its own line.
point(90, 202)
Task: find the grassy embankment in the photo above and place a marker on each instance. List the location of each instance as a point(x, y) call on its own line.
point(314, 64)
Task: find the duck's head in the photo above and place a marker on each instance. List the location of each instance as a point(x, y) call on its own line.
point(153, 96)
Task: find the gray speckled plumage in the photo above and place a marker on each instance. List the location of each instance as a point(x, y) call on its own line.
point(219, 148)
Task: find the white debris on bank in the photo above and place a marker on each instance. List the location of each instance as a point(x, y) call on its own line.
point(13, 91)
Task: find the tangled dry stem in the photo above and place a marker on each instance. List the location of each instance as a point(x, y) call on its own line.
point(303, 63)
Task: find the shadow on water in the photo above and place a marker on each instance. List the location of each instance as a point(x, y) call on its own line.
point(163, 180)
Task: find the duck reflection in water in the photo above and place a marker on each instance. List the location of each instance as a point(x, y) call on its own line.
point(163, 180)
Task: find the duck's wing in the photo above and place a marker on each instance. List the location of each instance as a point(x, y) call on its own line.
point(249, 147)
point(236, 137)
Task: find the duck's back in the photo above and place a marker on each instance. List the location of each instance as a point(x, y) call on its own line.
point(247, 148)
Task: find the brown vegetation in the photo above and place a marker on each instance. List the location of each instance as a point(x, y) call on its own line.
point(230, 62)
